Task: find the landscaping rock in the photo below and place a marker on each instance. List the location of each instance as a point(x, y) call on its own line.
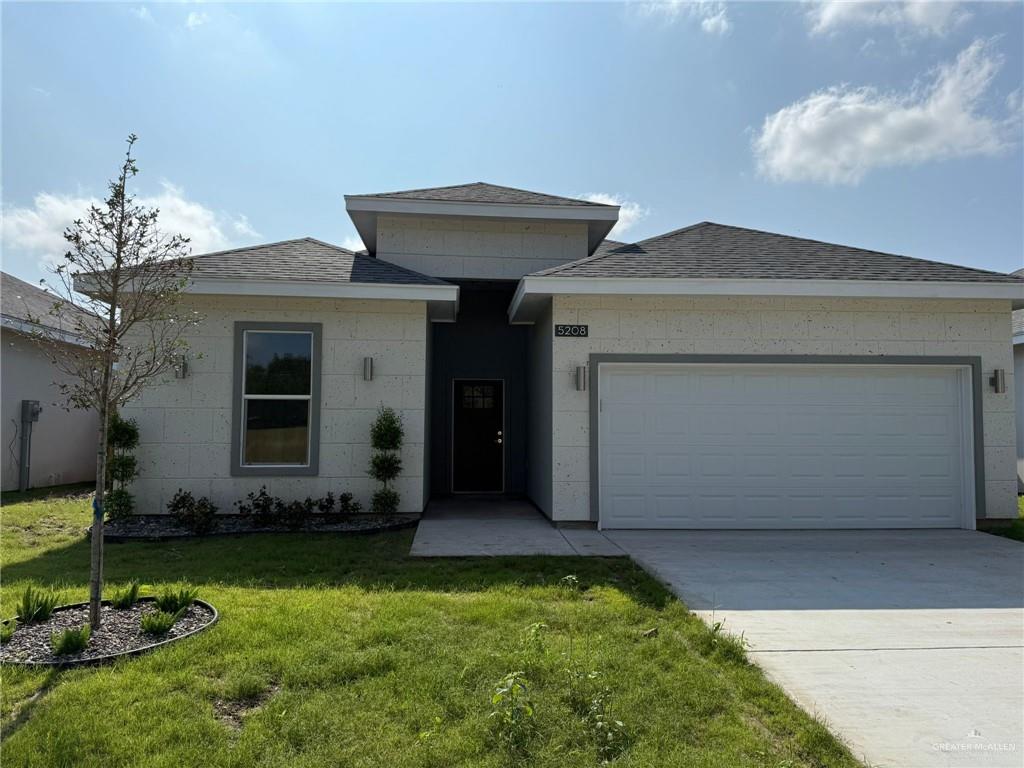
point(119, 633)
point(164, 526)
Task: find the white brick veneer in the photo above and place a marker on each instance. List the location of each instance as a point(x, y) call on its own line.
point(777, 325)
point(475, 248)
point(185, 424)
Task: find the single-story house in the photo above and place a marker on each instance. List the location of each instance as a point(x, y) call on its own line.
point(1018, 373)
point(709, 377)
point(43, 442)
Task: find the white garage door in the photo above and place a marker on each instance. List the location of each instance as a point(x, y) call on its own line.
point(784, 446)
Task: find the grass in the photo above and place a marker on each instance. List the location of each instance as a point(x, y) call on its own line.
point(335, 650)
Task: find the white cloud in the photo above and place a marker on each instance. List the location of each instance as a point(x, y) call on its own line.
point(713, 15)
point(37, 230)
point(630, 213)
point(196, 19)
point(353, 243)
point(928, 17)
point(837, 135)
point(142, 13)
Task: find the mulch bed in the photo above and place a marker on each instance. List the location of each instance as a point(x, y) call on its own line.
point(119, 633)
point(164, 526)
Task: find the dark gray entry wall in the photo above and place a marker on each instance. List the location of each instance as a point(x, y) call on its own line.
point(479, 345)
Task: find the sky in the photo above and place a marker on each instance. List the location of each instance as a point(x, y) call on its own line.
point(894, 126)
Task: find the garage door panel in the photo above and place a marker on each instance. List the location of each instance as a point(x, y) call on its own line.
point(785, 447)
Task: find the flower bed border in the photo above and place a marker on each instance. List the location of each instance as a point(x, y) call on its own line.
point(399, 522)
point(96, 660)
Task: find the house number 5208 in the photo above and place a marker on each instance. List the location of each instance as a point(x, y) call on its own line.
point(571, 330)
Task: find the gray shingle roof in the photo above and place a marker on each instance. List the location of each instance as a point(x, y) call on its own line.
point(709, 250)
point(25, 302)
point(303, 259)
point(482, 192)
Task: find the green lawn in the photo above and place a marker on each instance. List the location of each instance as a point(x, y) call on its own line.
point(335, 650)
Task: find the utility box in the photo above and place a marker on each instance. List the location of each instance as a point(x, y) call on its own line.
point(30, 410)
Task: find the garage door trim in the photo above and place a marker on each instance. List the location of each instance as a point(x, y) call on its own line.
point(971, 362)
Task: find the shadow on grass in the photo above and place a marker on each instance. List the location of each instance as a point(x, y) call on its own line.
point(27, 707)
point(374, 562)
point(49, 492)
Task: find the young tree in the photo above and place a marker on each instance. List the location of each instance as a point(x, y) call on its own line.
point(119, 291)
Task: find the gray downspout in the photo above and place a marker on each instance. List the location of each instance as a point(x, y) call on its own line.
point(29, 413)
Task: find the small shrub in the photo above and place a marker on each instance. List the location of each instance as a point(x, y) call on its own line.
point(123, 468)
point(260, 507)
point(294, 514)
point(118, 504)
point(570, 582)
point(7, 630)
point(535, 639)
point(386, 433)
point(199, 516)
point(160, 622)
point(385, 501)
point(609, 735)
point(385, 466)
point(513, 716)
point(36, 605)
point(327, 504)
point(122, 434)
point(126, 597)
point(172, 601)
point(347, 506)
point(70, 640)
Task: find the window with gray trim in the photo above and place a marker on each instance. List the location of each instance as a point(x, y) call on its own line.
point(276, 410)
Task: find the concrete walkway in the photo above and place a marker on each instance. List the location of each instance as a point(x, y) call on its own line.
point(494, 526)
point(909, 644)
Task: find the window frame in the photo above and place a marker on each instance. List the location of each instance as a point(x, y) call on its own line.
point(238, 397)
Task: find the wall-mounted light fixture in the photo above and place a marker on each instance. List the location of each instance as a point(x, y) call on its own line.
point(367, 369)
point(998, 381)
point(581, 378)
point(181, 367)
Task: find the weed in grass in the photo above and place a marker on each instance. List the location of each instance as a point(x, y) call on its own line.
point(513, 716)
point(172, 601)
point(70, 640)
point(570, 582)
point(36, 605)
point(126, 597)
point(719, 643)
point(159, 622)
point(7, 630)
point(608, 734)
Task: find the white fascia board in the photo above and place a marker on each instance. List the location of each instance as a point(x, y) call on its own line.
point(325, 290)
point(355, 203)
point(897, 289)
point(35, 329)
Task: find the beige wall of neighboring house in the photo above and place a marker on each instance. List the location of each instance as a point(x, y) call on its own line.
point(478, 248)
point(1018, 374)
point(777, 325)
point(185, 425)
point(63, 442)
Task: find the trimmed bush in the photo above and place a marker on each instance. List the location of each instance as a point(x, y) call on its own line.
point(385, 501)
point(198, 515)
point(259, 507)
point(123, 468)
point(347, 506)
point(36, 605)
point(386, 433)
point(118, 504)
point(70, 640)
point(122, 434)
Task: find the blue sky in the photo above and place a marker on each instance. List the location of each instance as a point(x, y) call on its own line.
point(894, 126)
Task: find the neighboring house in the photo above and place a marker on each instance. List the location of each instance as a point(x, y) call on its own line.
point(710, 377)
point(1018, 375)
point(63, 443)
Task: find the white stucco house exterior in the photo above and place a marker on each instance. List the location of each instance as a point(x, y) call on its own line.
point(710, 377)
point(1018, 372)
point(63, 442)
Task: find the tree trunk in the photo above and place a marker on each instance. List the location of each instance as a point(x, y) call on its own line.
point(96, 559)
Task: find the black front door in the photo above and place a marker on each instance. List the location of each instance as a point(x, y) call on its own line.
point(478, 436)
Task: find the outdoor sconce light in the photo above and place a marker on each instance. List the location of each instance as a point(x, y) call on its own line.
point(998, 381)
point(181, 367)
point(367, 369)
point(581, 378)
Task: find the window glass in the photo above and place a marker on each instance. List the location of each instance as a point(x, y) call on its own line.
point(278, 363)
point(276, 431)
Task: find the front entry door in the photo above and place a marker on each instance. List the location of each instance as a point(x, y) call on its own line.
point(478, 436)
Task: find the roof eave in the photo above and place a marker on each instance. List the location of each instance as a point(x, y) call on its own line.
point(532, 289)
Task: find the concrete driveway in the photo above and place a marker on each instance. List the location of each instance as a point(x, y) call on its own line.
point(909, 644)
